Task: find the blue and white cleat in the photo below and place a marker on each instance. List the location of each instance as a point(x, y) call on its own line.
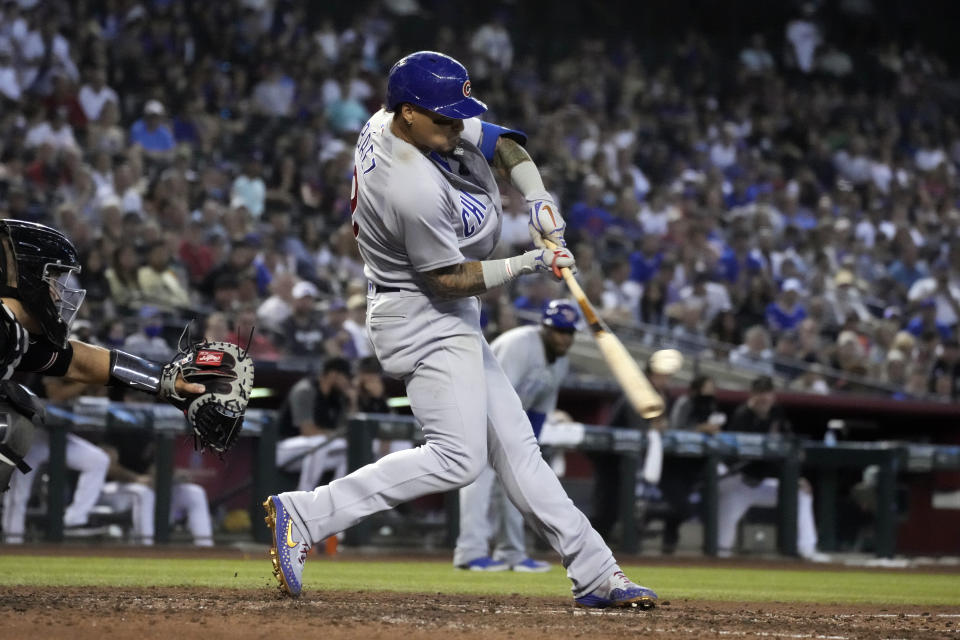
point(529, 565)
point(619, 591)
point(486, 563)
point(288, 555)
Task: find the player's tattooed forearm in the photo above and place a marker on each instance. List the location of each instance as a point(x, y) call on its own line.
point(456, 281)
point(509, 154)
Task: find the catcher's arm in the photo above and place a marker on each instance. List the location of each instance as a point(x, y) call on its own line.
point(92, 365)
point(210, 381)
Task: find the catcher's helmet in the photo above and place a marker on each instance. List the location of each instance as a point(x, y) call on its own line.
point(37, 263)
point(561, 315)
point(435, 82)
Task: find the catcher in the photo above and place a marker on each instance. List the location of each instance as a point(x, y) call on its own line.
point(210, 382)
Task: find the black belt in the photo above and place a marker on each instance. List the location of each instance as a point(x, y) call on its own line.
point(378, 289)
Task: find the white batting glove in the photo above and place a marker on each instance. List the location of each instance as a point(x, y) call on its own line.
point(550, 260)
point(546, 223)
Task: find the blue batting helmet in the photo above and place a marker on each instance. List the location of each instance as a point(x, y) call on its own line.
point(561, 315)
point(435, 82)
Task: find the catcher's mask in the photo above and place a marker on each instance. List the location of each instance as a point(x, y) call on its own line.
point(37, 264)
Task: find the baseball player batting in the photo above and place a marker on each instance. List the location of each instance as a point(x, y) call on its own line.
point(426, 215)
point(534, 361)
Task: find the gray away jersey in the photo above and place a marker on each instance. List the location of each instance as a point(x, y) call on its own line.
point(521, 355)
point(414, 212)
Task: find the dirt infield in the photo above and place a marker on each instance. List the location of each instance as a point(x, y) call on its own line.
point(178, 613)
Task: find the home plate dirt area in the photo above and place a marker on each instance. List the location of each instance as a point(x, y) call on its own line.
point(179, 613)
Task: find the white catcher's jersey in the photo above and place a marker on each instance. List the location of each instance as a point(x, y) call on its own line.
point(414, 212)
point(522, 357)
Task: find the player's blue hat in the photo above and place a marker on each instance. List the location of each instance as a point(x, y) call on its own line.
point(561, 315)
point(435, 82)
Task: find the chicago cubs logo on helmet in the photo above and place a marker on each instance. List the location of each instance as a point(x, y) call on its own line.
point(561, 314)
point(435, 82)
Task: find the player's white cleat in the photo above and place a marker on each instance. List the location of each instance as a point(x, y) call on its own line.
point(529, 565)
point(288, 549)
point(619, 591)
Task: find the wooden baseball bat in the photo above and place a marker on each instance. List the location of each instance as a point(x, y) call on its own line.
point(640, 393)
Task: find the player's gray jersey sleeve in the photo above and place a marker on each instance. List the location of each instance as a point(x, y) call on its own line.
point(428, 234)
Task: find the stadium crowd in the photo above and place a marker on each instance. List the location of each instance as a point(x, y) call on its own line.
point(791, 207)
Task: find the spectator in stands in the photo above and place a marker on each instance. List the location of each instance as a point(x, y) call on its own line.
point(303, 331)
point(152, 134)
point(273, 95)
point(621, 296)
point(941, 287)
point(240, 263)
point(752, 308)
point(159, 284)
point(906, 269)
point(845, 298)
point(711, 297)
point(226, 293)
point(756, 58)
point(315, 409)
point(249, 187)
point(492, 47)
point(93, 278)
point(274, 311)
point(945, 373)
point(926, 320)
point(786, 312)
point(337, 340)
point(687, 334)
point(95, 94)
point(122, 277)
point(246, 334)
point(755, 353)
point(148, 342)
point(811, 380)
point(215, 327)
point(646, 261)
point(804, 37)
point(756, 483)
point(653, 301)
point(725, 332)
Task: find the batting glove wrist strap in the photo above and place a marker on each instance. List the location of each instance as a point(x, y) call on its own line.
point(134, 372)
point(498, 272)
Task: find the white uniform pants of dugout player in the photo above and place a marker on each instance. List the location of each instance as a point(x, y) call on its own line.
point(186, 499)
point(470, 414)
point(305, 453)
point(736, 496)
point(90, 460)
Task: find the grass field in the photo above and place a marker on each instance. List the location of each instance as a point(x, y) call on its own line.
point(672, 583)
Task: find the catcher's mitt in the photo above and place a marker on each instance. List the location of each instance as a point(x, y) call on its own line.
point(226, 372)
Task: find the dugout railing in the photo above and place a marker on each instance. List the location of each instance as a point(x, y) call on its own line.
point(824, 461)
